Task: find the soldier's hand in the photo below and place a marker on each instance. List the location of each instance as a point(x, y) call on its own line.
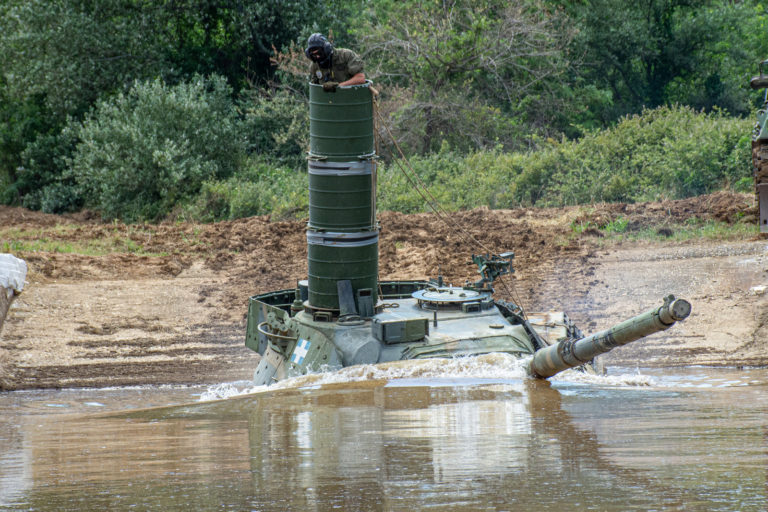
point(330, 86)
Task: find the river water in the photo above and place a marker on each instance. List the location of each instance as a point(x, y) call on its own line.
point(444, 435)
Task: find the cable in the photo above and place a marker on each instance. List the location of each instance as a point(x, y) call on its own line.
point(423, 191)
point(431, 201)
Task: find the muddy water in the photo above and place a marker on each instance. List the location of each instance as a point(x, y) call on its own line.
point(468, 439)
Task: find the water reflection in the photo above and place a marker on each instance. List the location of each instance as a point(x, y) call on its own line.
point(482, 448)
point(416, 445)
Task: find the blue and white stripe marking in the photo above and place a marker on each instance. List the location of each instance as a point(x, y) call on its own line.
point(301, 351)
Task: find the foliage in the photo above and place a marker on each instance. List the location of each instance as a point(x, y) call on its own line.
point(42, 174)
point(614, 227)
point(696, 230)
point(500, 103)
point(474, 70)
point(656, 52)
point(143, 152)
point(57, 59)
point(277, 125)
point(665, 153)
point(73, 51)
point(236, 38)
point(69, 52)
point(618, 225)
point(20, 123)
point(259, 189)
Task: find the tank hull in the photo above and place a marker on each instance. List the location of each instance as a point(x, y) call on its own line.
point(410, 328)
point(406, 328)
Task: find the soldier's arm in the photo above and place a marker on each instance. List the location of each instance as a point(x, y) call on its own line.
point(313, 69)
point(357, 79)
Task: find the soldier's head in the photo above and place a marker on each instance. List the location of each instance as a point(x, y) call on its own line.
point(319, 49)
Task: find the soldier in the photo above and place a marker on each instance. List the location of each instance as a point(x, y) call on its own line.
point(331, 66)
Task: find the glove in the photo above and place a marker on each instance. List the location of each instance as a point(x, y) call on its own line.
point(330, 86)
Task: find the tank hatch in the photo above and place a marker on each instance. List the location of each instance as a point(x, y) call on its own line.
point(453, 298)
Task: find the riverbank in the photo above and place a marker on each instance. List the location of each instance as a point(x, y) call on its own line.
point(108, 304)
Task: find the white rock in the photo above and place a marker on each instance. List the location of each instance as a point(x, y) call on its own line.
point(13, 272)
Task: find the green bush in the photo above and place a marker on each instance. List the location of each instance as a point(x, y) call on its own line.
point(142, 153)
point(453, 180)
point(669, 152)
point(42, 176)
point(259, 189)
point(276, 125)
point(31, 148)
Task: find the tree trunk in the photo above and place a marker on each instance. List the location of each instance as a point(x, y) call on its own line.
point(5, 303)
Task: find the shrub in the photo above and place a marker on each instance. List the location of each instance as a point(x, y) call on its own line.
point(143, 152)
point(42, 173)
point(259, 189)
point(276, 125)
point(453, 180)
point(669, 152)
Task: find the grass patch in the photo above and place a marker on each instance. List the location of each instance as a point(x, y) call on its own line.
point(579, 227)
point(57, 240)
point(618, 225)
point(692, 229)
point(99, 247)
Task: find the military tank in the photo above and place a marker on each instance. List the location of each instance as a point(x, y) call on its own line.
point(760, 148)
point(342, 315)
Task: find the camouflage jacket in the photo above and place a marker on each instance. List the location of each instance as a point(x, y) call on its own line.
point(344, 65)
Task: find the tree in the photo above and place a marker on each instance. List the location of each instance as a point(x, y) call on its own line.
point(654, 52)
point(57, 58)
point(235, 38)
point(71, 52)
point(74, 51)
point(472, 72)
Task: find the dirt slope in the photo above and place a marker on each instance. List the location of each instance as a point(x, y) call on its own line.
point(110, 304)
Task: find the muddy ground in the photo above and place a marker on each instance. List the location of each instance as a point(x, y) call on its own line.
point(110, 304)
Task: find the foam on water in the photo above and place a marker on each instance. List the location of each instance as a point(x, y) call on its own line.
point(497, 366)
point(229, 390)
point(693, 378)
point(628, 379)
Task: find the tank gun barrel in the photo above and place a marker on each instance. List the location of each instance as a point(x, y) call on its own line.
point(554, 359)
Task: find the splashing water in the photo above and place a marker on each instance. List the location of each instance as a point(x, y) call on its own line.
point(626, 380)
point(497, 366)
